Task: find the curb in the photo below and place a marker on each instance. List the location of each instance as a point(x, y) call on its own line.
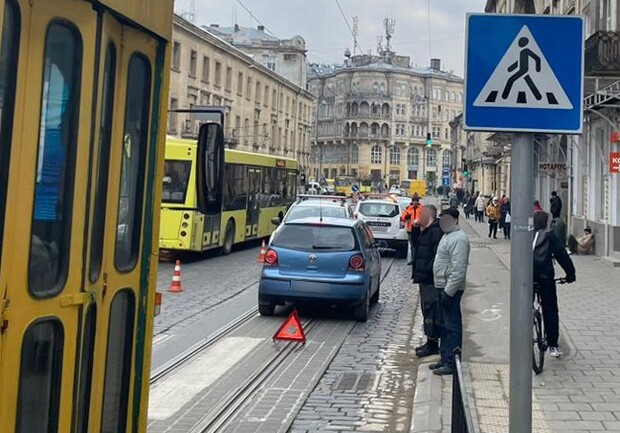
point(426, 416)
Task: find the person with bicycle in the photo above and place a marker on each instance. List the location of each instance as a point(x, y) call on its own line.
point(548, 247)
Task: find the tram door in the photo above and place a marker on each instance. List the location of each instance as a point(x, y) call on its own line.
point(116, 272)
point(44, 222)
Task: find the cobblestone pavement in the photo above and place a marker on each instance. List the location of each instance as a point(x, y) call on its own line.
point(369, 386)
point(206, 283)
point(579, 392)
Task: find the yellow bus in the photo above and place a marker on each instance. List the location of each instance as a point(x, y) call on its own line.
point(83, 96)
point(343, 185)
point(227, 203)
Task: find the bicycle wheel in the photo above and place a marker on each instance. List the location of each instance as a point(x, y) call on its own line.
point(538, 357)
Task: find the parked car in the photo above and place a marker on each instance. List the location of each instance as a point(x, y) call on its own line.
point(382, 214)
point(329, 261)
point(314, 188)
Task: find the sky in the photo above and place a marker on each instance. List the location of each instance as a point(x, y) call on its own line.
point(322, 25)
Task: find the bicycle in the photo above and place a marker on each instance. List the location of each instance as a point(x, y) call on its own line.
point(540, 340)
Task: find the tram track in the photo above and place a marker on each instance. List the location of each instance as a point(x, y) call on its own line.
point(223, 415)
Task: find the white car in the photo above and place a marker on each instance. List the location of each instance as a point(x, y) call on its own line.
point(382, 215)
point(314, 188)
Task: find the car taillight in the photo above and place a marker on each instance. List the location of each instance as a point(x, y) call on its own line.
point(356, 263)
point(271, 258)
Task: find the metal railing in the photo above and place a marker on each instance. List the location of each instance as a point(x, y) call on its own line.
point(462, 420)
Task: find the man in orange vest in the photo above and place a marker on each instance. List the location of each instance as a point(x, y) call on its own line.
point(410, 216)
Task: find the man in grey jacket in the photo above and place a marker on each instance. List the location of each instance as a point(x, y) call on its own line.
point(450, 272)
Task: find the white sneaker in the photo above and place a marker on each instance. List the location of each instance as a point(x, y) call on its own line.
point(555, 352)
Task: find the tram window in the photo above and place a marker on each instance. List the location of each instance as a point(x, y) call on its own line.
point(9, 47)
point(40, 376)
point(118, 363)
point(133, 164)
point(105, 135)
point(60, 102)
point(176, 180)
point(85, 369)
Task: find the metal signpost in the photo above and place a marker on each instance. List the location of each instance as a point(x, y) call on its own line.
point(521, 77)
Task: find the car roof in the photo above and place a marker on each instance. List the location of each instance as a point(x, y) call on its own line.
point(380, 201)
point(317, 203)
point(328, 221)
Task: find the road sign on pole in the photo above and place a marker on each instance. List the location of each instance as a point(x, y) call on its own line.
point(521, 77)
point(614, 162)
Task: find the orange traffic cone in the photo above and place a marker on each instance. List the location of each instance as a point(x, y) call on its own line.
point(261, 253)
point(175, 285)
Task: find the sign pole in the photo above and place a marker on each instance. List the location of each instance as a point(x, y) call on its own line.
point(521, 291)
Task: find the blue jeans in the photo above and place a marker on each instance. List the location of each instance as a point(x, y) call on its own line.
point(452, 335)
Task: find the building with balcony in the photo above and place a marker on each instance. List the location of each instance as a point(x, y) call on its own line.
point(589, 191)
point(265, 112)
point(373, 114)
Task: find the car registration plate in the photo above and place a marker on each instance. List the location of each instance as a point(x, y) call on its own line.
point(310, 286)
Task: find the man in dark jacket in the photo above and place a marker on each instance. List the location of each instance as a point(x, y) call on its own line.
point(556, 205)
point(546, 248)
point(426, 242)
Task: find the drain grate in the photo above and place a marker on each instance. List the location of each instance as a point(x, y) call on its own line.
point(356, 381)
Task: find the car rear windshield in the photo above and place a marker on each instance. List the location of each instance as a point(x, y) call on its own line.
point(176, 177)
point(315, 238)
point(298, 212)
point(384, 210)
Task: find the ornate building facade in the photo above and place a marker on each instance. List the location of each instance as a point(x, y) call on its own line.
point(265, 112)
point(379, 119)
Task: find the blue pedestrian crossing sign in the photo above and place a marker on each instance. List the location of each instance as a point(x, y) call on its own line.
point(524, 73)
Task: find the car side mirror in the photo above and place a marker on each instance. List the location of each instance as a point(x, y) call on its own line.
point(276, 221)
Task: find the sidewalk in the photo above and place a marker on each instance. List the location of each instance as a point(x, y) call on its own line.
point(579, 392)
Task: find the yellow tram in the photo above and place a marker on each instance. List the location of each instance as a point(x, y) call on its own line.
point(83, 86)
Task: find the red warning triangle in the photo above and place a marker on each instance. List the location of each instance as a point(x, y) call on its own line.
point(291, 329)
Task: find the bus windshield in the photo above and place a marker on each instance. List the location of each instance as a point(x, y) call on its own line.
point(176, 177)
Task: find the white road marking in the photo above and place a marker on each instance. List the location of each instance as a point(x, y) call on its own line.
point(173, 392)
point(160, 338)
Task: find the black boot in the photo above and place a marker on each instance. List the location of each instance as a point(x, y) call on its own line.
point(431, 348)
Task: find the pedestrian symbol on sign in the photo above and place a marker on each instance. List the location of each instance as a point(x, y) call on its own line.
point(523, 79)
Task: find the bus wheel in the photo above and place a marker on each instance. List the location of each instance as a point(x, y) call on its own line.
point(229, 238)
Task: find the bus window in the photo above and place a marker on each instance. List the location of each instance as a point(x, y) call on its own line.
point(176, 178)
point(40, 377)
point(235, 187)
point(53, 203)
point(105, 138)
point(134, 145)
point(9, 47)
point(211, 148)
point(118, 363)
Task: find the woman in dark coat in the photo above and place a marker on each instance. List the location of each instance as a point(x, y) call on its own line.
point(505, 218)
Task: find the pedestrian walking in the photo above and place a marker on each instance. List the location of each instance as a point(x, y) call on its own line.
point(505, 218)
point(548, 247)
point(427, 239)
point(454, 201)
point(556, 205)
point(480, 207)
point(470, 207)
point(410, 217)
point(494, 215)
point(450, 275)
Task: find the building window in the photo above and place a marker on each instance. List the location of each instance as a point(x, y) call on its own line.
point(257, 95)
point(400, 129)
point(240, 84)
point(269, 61)
point(274, 94)
point(206, 69)
point(431, 157)
point(413, 157)
point(228, 79)
point(218, 74)
point(176, 56)
point(436, 132)
point(290, 57)
point(375, 154)
point(394, 155)
point(401, 109)
point(193, 63)
point(266, 96)
point(354, 154)
point(248, 88)
point(173, 117)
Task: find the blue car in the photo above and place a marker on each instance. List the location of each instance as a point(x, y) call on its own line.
point(328, 261)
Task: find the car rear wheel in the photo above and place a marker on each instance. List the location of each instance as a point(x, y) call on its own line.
point(361, 311)
point(266, 308)
point(375, 298)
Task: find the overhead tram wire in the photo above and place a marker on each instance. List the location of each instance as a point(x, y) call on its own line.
point(256, 19)
point(346, 21)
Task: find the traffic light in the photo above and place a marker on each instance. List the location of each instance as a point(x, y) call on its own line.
point(465, 171)
point(429, 140)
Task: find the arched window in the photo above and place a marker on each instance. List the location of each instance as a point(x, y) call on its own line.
point(394, 155)
point(413, 156)
point(374, 129)
point(354, 154)
point(431, 157)
point(375, 154)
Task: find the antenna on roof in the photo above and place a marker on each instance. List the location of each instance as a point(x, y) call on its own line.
point(356, 32)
